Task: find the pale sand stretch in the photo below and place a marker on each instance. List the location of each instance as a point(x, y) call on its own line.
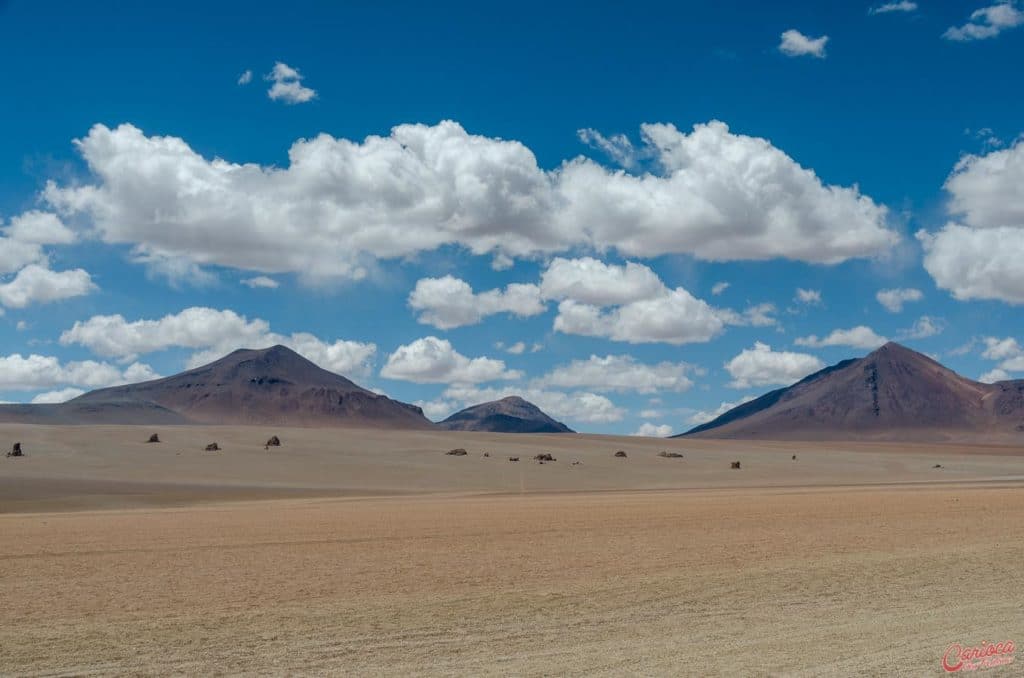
point(797, 579)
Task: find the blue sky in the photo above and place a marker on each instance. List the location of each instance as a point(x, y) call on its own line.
point(412, 152)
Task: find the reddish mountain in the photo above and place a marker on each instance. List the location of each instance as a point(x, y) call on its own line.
point(508, 415)
point(270, 386)
point(893, 393)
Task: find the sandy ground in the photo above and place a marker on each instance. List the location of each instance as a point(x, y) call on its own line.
point(853, 560)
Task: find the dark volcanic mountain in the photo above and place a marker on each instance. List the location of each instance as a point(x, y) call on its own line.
point(508, 415)
point(893, 393)
point(270, 386)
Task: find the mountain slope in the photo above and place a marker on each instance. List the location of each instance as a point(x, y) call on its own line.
point(269, 386)
point(508, 415)
point(893, 393)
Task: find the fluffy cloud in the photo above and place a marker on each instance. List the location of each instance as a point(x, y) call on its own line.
point(719, 287)
point(34, 372)
point(35, 284)
point(794, 43)
point(261, 281)
point(894, 299)
point(860, 336)
point(992, 376)
point(703, 417)
point(450, 302)
point(1001, 349)
point(40, 228)
point(620, 373)
point(287, 85)
point(761, 366)
point(596, 283)
point(987, 22)
point(339, 205)
point(649, 430)
point(618, 147)
point(59, 396)
point(982, 257)
point(1006, 350)
point(759, 315)
point(215, 333)
point(810, 297)
point(434, 361)
point(676, 317)
point(923, 327)
point(581, 406)
point(245, 78)
point(645, 310)
point(899, 6)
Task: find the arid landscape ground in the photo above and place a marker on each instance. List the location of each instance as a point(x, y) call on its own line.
point(375, 553)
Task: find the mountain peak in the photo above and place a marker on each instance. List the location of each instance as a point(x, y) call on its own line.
point(892, 393)
point(511, 414)
point(267, 385)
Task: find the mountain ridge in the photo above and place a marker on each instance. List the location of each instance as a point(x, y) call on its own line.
point(893, 393)
point(512, 414)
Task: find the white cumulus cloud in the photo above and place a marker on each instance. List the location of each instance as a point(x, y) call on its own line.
point(860, 336)
point(261, 281)
point(987, 22)
point(761, 366)
point(899, 6)
point(794, 43)
point(339, 205)
point(213, 334)
point(287, 85)
point(35, 284)
point(894, 299)
point(649, 430)
point(59, 396)
point(431, 360)
point(35, 372)
point(620, 373)
point(450, 302)
point(982, 257)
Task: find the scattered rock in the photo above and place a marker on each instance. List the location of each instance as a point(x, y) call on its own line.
point(212, 447)
point(670, 455)
point(487, 454)
point(153, 439)
point(937, 466)
point(577, 463)
point(513, 458)
point(794, 457)
point(274, 442)
point(735, 464)
point(16, 451)
point(544, 457)
point(457, 452)
point(621, 453)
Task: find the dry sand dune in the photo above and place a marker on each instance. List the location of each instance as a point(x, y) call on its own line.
point(855, 559)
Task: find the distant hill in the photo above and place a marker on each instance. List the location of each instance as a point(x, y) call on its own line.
point(269, 386)
point(508, 415)
point(893, 393)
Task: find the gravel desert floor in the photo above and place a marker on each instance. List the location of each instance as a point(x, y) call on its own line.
point(369, 553)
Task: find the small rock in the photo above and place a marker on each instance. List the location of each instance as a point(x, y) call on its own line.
point(735, 464)
point(544, 457)
point(274, 442)
point(212, 447)
point(153, 439)
point(621, 454)
point(457, 452)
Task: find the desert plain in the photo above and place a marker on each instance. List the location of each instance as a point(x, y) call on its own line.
point(368, 552)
